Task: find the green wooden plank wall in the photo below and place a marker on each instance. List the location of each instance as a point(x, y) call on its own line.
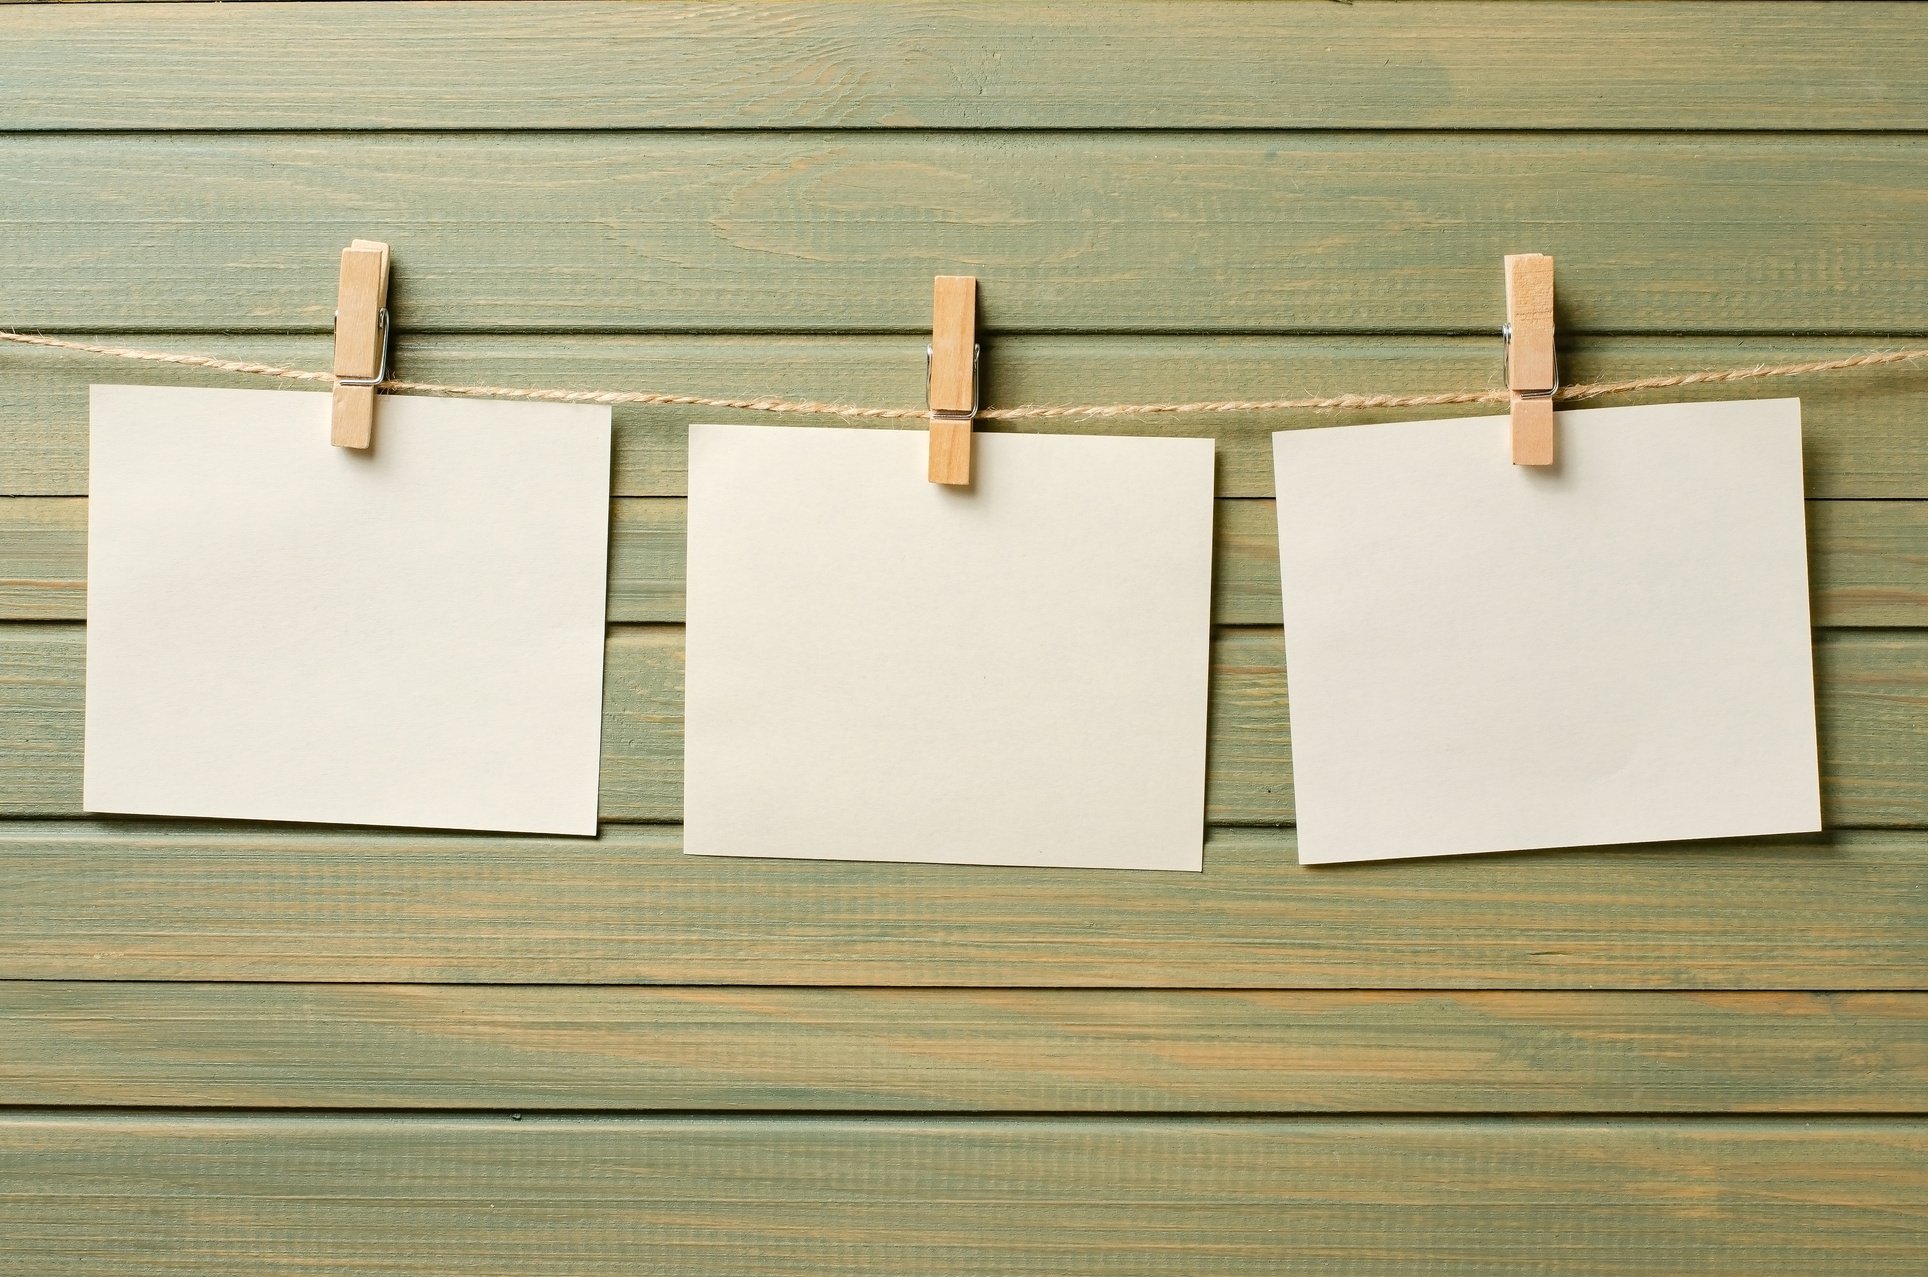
point(231, 1048)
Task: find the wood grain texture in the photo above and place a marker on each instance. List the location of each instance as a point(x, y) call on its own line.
point(951, 382)
point(1018, 1050)
point(1061, 1197)
point(361, 341)
point(1163, 203)
point(1531, 365)
point(958, 65)
point(43, 559)
point(1872, 689)
point(1529, 321)
point(126, 899)
point(1862, 429)
point(1868, 561)
point(1203, 232)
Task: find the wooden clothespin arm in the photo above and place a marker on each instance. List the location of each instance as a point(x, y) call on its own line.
point(952, 377)
point(361, 342)
point(1532, 369)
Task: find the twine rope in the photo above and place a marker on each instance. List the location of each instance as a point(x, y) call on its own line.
point(1034, 412)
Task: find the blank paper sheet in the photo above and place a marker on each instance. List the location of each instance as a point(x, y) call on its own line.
point(279, 629)
point(883, 668)
point(1483, 657)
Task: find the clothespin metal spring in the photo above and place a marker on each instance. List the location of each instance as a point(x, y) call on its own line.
point(953, 414)
point(381, 369)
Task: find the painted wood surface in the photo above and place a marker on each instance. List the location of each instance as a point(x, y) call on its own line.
point(1868, 561)
point(1050, 1196)
point(1107, 232)
point(1690, 1058)
point(180, 900)
point(1862, 431)
point(1871, 686)
point(962, 65)
point(980, 1050)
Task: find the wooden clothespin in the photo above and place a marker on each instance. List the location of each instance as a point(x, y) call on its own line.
point(950, 377)
point(1532, 369)
point(361, 342)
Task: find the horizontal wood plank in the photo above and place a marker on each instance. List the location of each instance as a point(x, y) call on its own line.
point(1062, 1197)
point(1868, 561)
point(1862, 429)
point(125, 899)
point(1207, 232)
point(959, 65)
point(1872, 689)
point(1016, 1050)
point(43, 559)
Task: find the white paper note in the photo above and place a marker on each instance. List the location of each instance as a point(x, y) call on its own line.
point(279, 629)
point(1483, 656)
point(883, 668)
